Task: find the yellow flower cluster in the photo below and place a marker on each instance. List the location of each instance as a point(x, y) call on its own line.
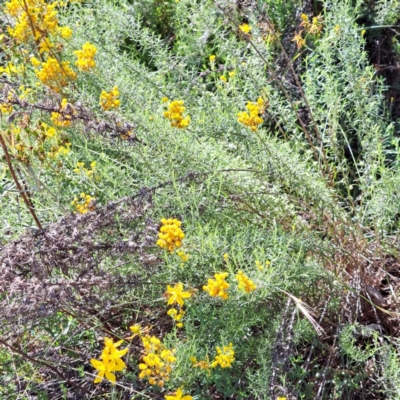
point(183, 256)
point(177, 315)
point(87, 205)
point(245, 283)
point(224, 359)
point(171, 235)
point(314, 27)
point(260, 267)
point(176, 295)
point(11, 69)
point(85, 57)
point(252, 118)
point(218, 287)
point(64, 116)
point(33, 19)
point(111, 361)
point(175, 114)
point(109, 100)
point(49, 131)
point(157, 361)
point(54, 74)
point(80, 169)
point(6, 108)
point(62, 148)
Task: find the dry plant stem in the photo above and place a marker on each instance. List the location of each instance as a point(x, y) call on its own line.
point(20, 189)
point(49, 366)
point(324, 171)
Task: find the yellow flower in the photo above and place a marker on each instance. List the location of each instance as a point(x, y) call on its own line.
point(171, 235)
point(85, 57)
point(105, 368)
point(176, 294)
point(65, 32)
point(259, 266)
point(223, 78)
point(53, 74)
point(175, 114)
point(45, 46)
point(35, 62)
point(109, 100)
point(212, 58)
point(226, 257)
point(178, 396)
point(245, 283)
point(252, 118)
point(112, 362)
point(218, 287)
point(203, 364)
point(245, 28)
point(89, 204)
point(300, 42)
point(225, 357)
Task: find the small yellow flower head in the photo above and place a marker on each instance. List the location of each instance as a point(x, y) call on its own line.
point(136, 329)
point(252, 118)
point(109, 100)
point(176, 294)
point(226, 257)
point(178, 396)
point(245, 283)
point(175, 114)
point(223, 78)
point(218, 287)
point(86, 204)
point(314, 27)
point(35, 62)
point(225, 357)
point(171, 235)
point(232, 74)
point(183, 256)
point(203, 364)
point(6, 108)
point(299, 40)
point(63, 118)
point(85, 57)
point(259, 266)
point(212, 58)
point(65, 32)
point(245, 28)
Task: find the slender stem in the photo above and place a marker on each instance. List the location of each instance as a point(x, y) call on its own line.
point(19, 187)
